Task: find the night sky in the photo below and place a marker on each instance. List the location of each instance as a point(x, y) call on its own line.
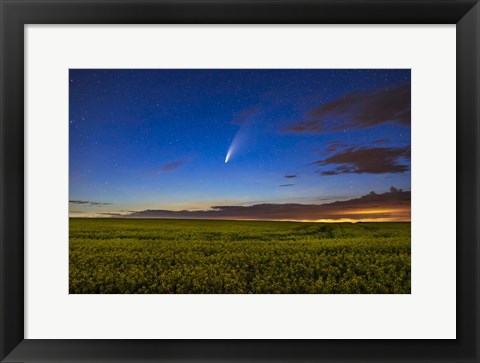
point(240, 144)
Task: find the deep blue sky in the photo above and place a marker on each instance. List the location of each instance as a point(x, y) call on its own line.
point(158, 139)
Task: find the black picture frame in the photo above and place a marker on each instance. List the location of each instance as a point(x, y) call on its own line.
point(16, 13)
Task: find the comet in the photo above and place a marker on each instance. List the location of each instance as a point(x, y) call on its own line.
point(237, 141)
point(246, 120)
point(228, 156)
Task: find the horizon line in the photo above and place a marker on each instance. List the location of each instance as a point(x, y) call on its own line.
point(340, 220)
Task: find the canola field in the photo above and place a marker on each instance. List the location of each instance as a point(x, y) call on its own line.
point(155, 256)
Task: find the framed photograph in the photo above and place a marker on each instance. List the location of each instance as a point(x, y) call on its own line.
point(240, 181)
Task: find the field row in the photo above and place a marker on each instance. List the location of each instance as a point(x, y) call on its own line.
point(214, 257)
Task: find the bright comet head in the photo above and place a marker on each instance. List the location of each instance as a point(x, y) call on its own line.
point(228, 156)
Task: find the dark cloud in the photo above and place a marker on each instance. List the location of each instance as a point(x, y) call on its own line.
point(168, 167)
point(392, 205)
point(286, 185)
point(380, 142)
point(373, 160)
point(334, 198)
point(290, 176)
point(334, 146)
point(245, 116)
point(330, 172)
point(88, 202)
point(358, 110)
point(173, 165)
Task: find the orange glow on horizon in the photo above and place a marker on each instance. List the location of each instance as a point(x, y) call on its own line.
point(350, 214)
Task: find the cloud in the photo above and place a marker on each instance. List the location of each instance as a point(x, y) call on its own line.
point(392, 205)
point(245, 116)
point(334, 146)
point(168, 167)
point(290, 176)
point(380, 142)
point(373, 160)
point(173, 165)
point(334, 198)
point(358, 110)
point(112, 214)
point(88, 202)
point(286, 185)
